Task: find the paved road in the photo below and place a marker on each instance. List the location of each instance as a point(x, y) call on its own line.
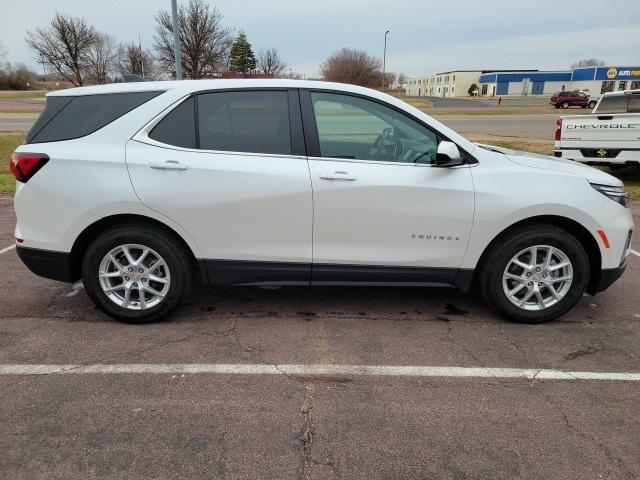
point(535, 126)
point(211, 425)
point(16, 122)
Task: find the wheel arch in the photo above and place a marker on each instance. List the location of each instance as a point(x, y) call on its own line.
point(92, 231)
point(576, 229)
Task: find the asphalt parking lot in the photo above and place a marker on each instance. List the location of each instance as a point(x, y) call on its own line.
point(215, 392)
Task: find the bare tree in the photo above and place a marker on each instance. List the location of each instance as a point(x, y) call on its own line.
point(100, 58)
point(587, 62)
point(204, 41)
point(134, 59)
point(269, 62)
point(402, 79)
point(352, 66)
point(3, 53)
point(63, 45)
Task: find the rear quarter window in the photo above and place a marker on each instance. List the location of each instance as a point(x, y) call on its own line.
point(66, 118)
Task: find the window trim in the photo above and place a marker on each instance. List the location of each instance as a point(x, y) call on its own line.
point(313, 142)
point(298, 149)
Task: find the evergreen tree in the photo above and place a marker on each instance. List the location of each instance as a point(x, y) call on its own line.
point(241, 57)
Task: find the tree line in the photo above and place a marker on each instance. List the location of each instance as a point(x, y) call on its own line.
point(81, 54)
point(78, 53)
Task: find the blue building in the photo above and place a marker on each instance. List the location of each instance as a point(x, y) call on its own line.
point(594, 80)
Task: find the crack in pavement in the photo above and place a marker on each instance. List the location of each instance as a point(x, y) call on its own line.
point(590, 350)
point(306, 433)
point(618, 462)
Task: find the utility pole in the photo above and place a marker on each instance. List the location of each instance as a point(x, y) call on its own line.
point(176, 40)
point(384, 59)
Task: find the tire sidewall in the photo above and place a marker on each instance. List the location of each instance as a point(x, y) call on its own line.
point(158, 241)
point(556, 238)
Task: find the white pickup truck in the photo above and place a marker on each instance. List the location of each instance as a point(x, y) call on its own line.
point(610, 135)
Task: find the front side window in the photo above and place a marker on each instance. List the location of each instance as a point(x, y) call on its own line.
point(354, 128)
point(245, 121)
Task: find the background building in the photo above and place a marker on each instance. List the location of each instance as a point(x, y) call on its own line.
point(593, 80)
point(444, 84)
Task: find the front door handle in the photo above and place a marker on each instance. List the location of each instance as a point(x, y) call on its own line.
point(168, 165)
point(339, 175)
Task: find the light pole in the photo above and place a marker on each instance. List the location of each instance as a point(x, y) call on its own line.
point(176, 40)
point(384, 58)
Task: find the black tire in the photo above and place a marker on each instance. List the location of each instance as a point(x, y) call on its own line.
point(496, 260)
point(592, 105)
point(165, 244)
point(565, 105)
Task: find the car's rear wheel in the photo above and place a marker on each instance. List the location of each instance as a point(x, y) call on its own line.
point(534, 274)
point(136, 275)
point(592, 105)
point(565, 104)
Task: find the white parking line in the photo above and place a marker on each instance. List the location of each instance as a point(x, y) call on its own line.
point(315, 370)
point(634, 252)
point(6, 249)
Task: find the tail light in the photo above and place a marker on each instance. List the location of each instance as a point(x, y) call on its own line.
point(25, 165)
point(558, 129)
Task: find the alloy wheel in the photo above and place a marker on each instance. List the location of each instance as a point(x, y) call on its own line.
point(134, 276)
point(537, 277)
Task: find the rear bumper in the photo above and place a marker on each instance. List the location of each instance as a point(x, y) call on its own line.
point(620, 156)
point(47, 263)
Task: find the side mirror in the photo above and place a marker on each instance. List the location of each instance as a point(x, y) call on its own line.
point(448, 155)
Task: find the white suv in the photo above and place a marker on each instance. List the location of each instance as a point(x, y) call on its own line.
point(139, 189)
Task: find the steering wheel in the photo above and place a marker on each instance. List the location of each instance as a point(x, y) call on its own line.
point(386, 146)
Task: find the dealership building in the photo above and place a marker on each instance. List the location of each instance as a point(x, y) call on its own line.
point(594, 80)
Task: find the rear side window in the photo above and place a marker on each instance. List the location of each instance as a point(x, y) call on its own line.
point(84, 114)
point(178, 127)
point(613, 104)
point(634, 104)
point(247, 121)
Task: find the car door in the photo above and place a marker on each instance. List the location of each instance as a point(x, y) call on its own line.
point(382, 211)
point(230, 168)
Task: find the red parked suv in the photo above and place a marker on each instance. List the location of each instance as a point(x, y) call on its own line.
point(566, 99)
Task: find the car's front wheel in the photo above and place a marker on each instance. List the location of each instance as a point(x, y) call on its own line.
point(136, 274)
point(565, 105)
point(534, 274)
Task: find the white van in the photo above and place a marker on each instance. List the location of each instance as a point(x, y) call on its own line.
point(611, 135)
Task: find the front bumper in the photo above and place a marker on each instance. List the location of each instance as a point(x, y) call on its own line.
point(47, 263)
point(607, 278)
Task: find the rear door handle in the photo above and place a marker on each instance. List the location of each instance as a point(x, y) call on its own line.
point(168, 165)
point(339, 175)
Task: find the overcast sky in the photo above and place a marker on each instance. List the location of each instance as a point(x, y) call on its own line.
point(426, 36)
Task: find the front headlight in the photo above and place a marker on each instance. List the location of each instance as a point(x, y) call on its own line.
point(617, 194)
